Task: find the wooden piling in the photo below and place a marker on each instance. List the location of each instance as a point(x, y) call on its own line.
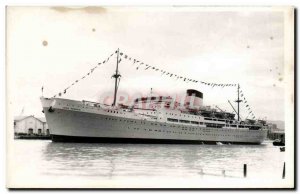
point(245, 170)
point(201, 171)
point(283, 172)
point(223, 173)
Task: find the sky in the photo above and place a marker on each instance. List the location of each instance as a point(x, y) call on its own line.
point(54, 46)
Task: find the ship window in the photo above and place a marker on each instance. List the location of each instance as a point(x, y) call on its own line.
point(172, 120)
point(195, 122)
point(184, 121)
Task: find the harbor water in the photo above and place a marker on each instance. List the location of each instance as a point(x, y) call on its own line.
point(42, 163)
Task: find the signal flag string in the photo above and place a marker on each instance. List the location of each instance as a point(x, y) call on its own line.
point(141, 65)
point(248, 108)
point(85, 76)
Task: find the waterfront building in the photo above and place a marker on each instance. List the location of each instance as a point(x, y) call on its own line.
point(30, 125)
point(275, 132)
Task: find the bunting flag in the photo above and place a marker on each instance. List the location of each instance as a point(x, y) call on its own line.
point(89, 73)
point(150, 67)
point(247, 106)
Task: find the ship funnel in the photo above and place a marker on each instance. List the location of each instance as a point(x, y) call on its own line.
point(194, 99)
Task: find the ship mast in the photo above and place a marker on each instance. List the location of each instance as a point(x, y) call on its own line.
point(116, 76)
point(238, 101)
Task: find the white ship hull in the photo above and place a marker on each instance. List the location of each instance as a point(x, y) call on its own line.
point(73, 121)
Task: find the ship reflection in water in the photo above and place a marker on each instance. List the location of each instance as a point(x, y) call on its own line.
point(51, 161)
point(126, 160)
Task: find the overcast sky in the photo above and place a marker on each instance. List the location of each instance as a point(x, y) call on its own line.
point(53, 47)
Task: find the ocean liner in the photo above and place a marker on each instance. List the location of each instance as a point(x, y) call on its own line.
point(149, 120)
